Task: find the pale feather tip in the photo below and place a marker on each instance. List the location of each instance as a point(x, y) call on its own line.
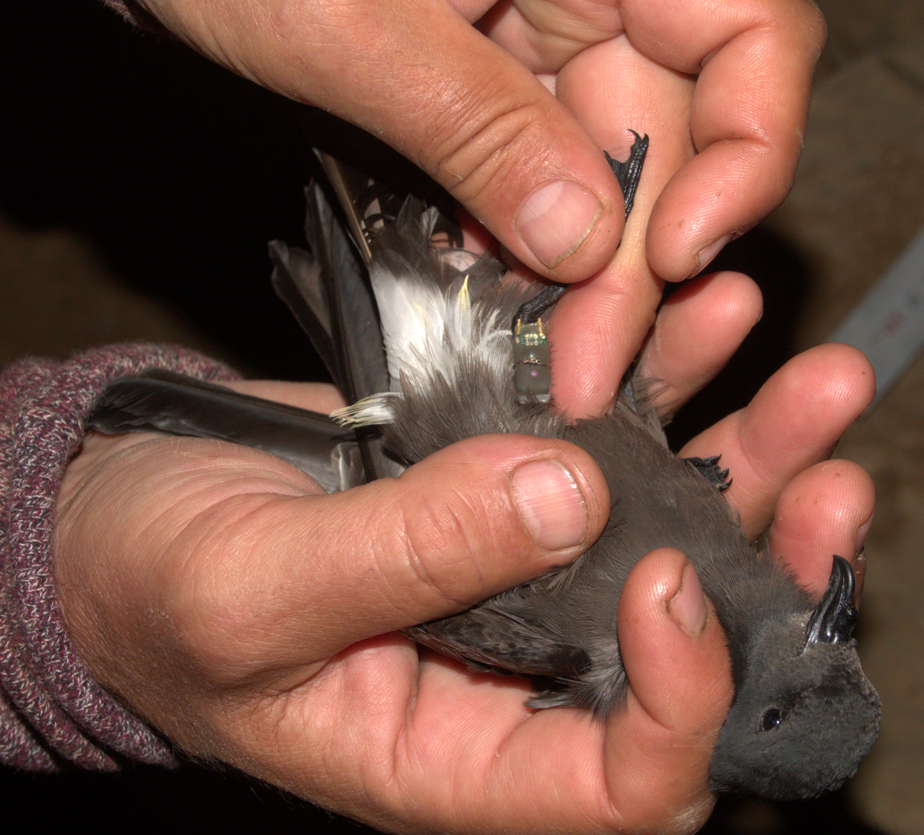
point(374, 410)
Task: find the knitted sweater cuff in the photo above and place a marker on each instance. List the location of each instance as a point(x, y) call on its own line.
point(51, 708)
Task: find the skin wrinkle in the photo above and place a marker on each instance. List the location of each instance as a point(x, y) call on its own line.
point(350, 34)
point(552, 34)
point(414, 566)
point(489, 148)
point(637, 786)
point(707, 130)
point(96, 480)
point(377, 793)
point(501, 781)
point(213, 616)
point(92, 487)
point(194, 527)
point(405, 760)
point(434, 530)
point(357, 567)
point(424, 534)
point(389, 585)
point(401, 753)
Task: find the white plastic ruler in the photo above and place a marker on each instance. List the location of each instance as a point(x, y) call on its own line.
point(888, 323)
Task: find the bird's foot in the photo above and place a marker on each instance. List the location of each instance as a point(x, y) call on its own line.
point(709, 469)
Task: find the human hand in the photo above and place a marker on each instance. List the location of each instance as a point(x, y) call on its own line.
point(725, 108)
point(510, 117)
point(249, 618)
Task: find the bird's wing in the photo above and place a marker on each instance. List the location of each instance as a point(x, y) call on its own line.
point(494, 640)
point(162, 401)
point(329, 293)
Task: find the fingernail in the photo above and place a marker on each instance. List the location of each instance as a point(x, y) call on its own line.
point(556, 218)
point(687, 607)
point(551, 504)
point(859, 575)
point(707, 253)
point(862, 532)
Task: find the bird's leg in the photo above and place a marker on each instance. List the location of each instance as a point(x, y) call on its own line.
point(531, 358)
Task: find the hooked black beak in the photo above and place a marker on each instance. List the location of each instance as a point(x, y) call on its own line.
point(834, 617)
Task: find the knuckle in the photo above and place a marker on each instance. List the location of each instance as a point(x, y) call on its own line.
point(445, 547)
point(480, 149)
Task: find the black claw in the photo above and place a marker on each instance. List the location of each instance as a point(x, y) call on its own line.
point(708, 468)
point(629, 173)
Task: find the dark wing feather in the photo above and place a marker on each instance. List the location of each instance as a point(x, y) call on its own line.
point(332, 299)
point(297, 282)
point(349, 185)
point(359, 355)
point(488, 638)
point(170, 403)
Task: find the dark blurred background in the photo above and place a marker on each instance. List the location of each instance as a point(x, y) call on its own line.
point(141, 184)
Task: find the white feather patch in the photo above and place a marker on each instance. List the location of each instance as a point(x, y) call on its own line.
point(428, 330)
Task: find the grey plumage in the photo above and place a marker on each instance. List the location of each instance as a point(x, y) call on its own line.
point(804, 713)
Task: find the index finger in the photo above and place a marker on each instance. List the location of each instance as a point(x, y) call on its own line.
point(792, 423)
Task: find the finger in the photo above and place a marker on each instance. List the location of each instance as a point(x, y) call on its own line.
point(466, 523)
point(793, 422)
point(416, 74)
point(754, 63)
point(656, 748)
point(546, 34)
point(823, 511)
point(322, 398)
point(599, 325)
point(675, 657)
point(698, 329)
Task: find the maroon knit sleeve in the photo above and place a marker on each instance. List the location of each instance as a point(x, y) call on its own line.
point(51, 709)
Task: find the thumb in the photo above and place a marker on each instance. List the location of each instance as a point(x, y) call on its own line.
point(416, 74)
point(675, 657)
point(468, 522)
point(492, 134)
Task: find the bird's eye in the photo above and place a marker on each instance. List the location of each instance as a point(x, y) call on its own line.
point(771, 719)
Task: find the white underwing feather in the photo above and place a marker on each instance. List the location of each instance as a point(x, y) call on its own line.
point(427, 329)
point(444, 329)
point(375, 410)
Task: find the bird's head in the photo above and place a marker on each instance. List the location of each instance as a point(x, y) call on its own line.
point(805, 714)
